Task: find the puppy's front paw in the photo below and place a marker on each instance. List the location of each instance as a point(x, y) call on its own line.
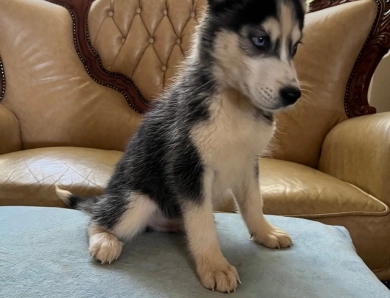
point(221, 277)
point(273, 238)
point(105, 247)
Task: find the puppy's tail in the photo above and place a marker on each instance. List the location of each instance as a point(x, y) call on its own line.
point(76, 202)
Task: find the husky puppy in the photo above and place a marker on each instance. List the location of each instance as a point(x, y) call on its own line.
point(203, 137)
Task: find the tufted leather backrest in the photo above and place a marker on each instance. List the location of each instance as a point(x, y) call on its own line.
point(147, 39)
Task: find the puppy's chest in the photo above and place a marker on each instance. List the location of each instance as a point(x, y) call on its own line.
point(230, 141)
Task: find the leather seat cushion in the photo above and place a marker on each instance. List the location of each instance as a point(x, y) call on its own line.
point(296, 190)
point(28, 178)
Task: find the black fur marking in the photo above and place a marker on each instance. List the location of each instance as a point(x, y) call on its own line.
point(236, 14)
point(233, 15)
point(85, 204)
point(257, 168)
point(161, 161)
point(73, 201)
point(297, 7)
point(109, 208)
point(276, 48)
point(263, 115)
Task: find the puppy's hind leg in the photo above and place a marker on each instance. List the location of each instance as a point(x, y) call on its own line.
point(103, 245)
point(106, 227)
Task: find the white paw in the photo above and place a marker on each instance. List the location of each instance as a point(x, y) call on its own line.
point(273, 238)
point(219, 277)
point(105, 247)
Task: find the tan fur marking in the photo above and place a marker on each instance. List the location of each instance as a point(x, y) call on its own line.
point(249, 199)
point(213, 269)
point(230, 140)
point(259, 79)
point(272, 27)
point(286, 24)
point(137, 216)
point(160, 223)
point(63, 194)
point(103, 245)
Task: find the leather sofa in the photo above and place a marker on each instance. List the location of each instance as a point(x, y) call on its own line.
point(77, 77)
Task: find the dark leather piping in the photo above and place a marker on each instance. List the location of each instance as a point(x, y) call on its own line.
point(2, 80)
point(376, 46)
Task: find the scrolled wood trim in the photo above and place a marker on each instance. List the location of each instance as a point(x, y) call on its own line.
point(375, 47)
point(79, 10)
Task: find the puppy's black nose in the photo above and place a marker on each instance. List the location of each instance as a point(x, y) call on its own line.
point(290, 95)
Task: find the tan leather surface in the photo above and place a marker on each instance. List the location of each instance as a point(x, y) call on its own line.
point(9, 131)
point(332, 41)
point(292, 189)
point(146, 40)
point(287, 188)
point(48, 89)
point(358, 151)
point(28, 177)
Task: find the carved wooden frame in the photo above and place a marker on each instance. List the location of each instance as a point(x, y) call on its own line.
point(356, 94)
point(79, 10)
point(375, 47)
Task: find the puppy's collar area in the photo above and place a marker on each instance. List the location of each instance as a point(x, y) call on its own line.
point(267, 116)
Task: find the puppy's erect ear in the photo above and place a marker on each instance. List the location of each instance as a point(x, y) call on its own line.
point(219, 5)
point(214, 3)
point(211, 2)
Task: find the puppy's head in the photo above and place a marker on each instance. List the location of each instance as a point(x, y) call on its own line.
point(251, 45)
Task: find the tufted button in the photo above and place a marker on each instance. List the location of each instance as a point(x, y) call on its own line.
point(192, 14)
point(138, 10)
point(151, 40)
point(165, 12)
point(178, 41)
point(110, 13)
point(164, 68)
point(123, 40)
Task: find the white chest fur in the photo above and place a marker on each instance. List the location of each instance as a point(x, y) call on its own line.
point(230, 141)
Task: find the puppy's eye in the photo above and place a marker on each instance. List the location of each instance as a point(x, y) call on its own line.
point(294, 49)
point(261, 42)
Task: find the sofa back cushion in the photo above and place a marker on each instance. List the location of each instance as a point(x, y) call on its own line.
point(47, 87)
point(57, 103)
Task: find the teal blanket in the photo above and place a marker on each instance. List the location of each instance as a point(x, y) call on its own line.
point(44, 253)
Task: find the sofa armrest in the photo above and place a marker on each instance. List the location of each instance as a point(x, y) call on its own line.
point(9, 131)
point(357, 151)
